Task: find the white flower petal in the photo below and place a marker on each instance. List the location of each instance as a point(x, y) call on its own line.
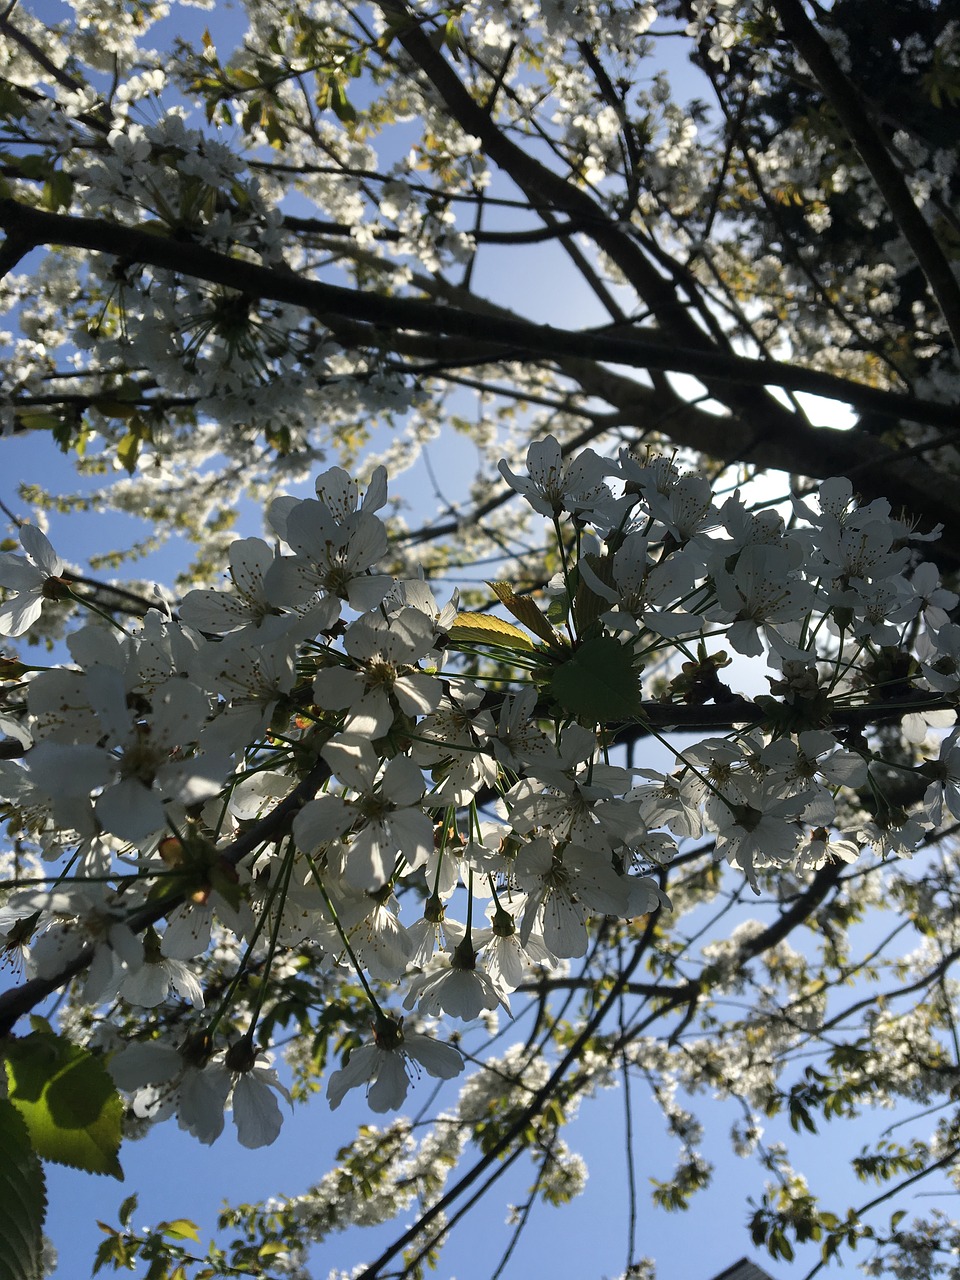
point(390, 1087)
point(203, 1099)
point(362, 1065)
point(436, 1058)
point(256, 1112)
point(139, 1064)
point(37, 546)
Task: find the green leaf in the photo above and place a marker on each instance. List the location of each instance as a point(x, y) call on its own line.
point(127, 1210)
point(23, 1199)
point(224, 879)
point(598, 682)
point(252, 114)
point(340, 104)
point(274, 131)
point(57, 191)
point(35, 166)
point(558, 608)
point(68, 1101)
point(115, 407)
point(12, 103)
point(587, 605)
point(484, 628)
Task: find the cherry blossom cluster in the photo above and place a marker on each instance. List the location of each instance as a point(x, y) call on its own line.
point(322, 754)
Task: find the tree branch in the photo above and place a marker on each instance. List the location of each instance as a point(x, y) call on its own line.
point(863, 133)
point(798, 448)
point(20, 1000)
point(503, 1144)
point(499, 339)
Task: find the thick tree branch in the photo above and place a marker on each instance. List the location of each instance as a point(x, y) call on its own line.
point(14, 248)
point(495, 339)
point(797, 448)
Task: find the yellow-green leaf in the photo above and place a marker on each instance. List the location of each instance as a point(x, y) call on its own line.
point(67, 1100)
point(244, 79)
point(37, 421)
point(483, 628)
point(182, 1229)
point(525, 610)
point(128, 450)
